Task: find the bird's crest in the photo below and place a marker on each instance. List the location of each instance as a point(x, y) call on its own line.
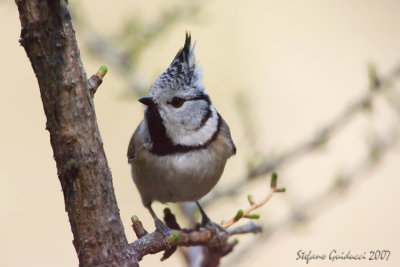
point(182, 72)
point(186, 53)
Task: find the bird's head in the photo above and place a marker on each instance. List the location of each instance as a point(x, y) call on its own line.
point(179, 98)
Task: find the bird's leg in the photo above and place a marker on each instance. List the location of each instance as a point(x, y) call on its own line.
point(160, 225)
point(204, 218)
point(206, 222)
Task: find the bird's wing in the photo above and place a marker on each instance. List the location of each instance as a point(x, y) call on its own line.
point(226, 133)
point(131, 149)
point(137, 142)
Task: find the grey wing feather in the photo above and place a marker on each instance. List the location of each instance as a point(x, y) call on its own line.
point(131, 149)
point(225, 131)
point(137, 143)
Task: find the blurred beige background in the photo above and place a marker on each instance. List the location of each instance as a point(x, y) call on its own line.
point(299, 63)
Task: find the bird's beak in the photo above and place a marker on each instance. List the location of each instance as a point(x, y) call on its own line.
point(148, 101)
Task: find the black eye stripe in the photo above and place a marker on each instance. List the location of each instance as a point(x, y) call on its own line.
point(200, 97)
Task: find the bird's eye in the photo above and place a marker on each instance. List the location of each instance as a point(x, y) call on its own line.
point(177, 102)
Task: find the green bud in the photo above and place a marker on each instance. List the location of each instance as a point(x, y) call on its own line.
point(103, 71)
point(134, 218)
point(251, 199)
point(274, 179)
point(235, 241)
point(238, 215)
point(280, 190)
point(173, 237)
point(253, 216)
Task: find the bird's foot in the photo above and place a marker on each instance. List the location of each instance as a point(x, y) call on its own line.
point(215, 228)
point(216, 231)
point(160, 225)
point(162, 228)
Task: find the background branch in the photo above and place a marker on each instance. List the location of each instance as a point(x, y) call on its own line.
point(380, 86)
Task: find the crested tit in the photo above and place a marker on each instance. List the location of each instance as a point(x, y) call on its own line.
point(179, 151)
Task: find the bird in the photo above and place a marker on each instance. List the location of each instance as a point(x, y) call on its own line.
point(180, 148)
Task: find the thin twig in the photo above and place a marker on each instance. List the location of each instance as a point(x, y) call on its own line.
point(247, 212)
point(96, 80)
point(250, 227)
point(253, 205)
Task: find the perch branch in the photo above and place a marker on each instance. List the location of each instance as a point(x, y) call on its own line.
point(155, 242)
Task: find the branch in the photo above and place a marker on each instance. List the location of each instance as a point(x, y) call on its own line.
point(96, 80)
point(217, 246)
point(253, 205)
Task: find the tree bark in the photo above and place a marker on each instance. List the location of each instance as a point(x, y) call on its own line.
point(49, 41)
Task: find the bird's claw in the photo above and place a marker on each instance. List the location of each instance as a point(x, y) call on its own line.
point(162, 228)
point(216, 230)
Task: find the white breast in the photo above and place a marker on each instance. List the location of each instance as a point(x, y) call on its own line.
point(178, 177)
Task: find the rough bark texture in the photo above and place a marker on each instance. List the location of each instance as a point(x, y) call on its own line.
point(49, 41)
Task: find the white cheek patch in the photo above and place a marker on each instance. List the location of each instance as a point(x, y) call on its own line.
point(197, 136)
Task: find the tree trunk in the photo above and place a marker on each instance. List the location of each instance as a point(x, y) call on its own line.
point(49, 41)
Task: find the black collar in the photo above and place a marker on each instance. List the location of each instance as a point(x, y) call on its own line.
point(162, 144)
